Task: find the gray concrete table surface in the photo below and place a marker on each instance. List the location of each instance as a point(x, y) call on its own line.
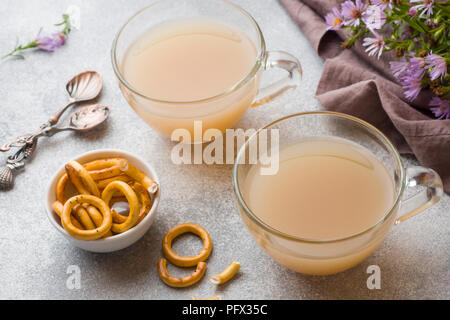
point(414, 259)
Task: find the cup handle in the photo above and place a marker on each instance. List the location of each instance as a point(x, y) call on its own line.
point(428, 178)
point(285, 61)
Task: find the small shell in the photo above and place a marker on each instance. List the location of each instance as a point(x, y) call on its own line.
point(29, 150)
point(6, 178)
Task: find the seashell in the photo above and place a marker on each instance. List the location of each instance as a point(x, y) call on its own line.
point(6, 178)
point(29, 149)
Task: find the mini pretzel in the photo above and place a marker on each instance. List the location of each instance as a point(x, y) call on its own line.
point(61, 188)
point(187, 281)
point(58, 207)
point(86, 234)
point(144, 199)
point(96, 217)
point(145, 203)
point(102, 163)
point(181, 261)
point(133, 172)
point(83, 216)
point(227, 274)
point(133, 202)
point(212, 298)
point(102, 184)
point(81, 179)
point(104, 168)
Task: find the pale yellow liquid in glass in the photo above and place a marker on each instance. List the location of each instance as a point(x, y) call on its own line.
point(325, 189)
point(191, 60)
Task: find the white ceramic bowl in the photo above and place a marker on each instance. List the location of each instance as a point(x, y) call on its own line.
point(116, 242)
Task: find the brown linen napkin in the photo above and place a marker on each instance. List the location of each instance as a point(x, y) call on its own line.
point(363, 86)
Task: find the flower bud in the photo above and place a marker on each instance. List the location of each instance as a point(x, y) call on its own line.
point(422, 53)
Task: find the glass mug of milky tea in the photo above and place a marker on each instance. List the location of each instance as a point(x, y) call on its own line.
point(180, 61)
point(339, 189)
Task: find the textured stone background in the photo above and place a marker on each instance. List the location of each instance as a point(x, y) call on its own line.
point(414, 260)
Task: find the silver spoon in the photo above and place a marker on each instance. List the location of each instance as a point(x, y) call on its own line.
point(83, 87)
point(83, 120)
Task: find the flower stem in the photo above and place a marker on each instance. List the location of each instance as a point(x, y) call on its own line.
point(19, 48)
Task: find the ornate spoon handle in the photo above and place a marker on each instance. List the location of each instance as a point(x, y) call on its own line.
point(15, 162)
point(19, 142)
point(27, 145)
point(22, 141)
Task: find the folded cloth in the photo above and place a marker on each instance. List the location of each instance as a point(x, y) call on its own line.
point(363, 86)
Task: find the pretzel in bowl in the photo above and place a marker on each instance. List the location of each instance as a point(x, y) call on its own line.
point(105, 168)
point(144, 199)
point(133, 172)
point(58, 207)
point(81, 179)
point(101, 184)
point(132, 200)
point(74, 231)
point(85, 184)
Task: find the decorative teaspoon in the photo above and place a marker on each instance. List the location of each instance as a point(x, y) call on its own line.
point(85, 119)
point(83, 87)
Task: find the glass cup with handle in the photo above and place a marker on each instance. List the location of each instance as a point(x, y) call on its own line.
point(329, 256)
point(223, 110)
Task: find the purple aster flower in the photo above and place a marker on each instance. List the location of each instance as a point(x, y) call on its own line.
point(437, 66)
point(411, 78)
point(352, 12)
point(409, 74)
point(413, 11)
point(334, 19)
point(383, 4)
point(441, 108)
point(374, 17)
point(412, 85)
point(45, 42)
point(374, 45)
point(50, 42)
point(398, 68)
point(426, 7)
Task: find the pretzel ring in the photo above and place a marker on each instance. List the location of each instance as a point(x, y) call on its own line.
point(61, 188)
point(81, 179)
point(86, 234)
point(181, 261)
point(212, 298)
point(104, 168)
point(102, 184)
point(133, 172)
point(145, 203)
point(100, 164)
point(144, 199)
point(80, 213)
point(187, 281)
point(96, 217)
point(133, 202)
point(58, 207)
